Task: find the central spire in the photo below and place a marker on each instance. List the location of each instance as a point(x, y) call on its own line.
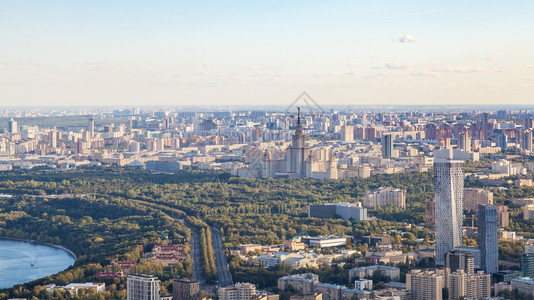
point(298, 118)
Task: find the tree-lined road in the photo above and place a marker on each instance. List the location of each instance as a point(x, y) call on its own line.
point(223, 272)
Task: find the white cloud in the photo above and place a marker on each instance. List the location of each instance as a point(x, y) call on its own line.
point(464, 70)
point(491, 58)
point(528, 66)
point(352, 73)
point(425, 74)
point(353, 65)
point(407, 39)
point(397, 66)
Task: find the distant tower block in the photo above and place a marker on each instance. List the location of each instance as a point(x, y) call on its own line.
point(91, 126)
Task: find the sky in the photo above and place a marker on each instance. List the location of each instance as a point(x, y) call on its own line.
point(266, 52)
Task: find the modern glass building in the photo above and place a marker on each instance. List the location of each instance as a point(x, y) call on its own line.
point(487, 238)
point(449, 204)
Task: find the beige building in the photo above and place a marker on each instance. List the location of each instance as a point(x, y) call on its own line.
point(474, 197)
point(528, 212)
point(385, 197)
point(239, 291)
point(503, 216)
point(426, 284)
point(472, 286)
point(330, 291)
point(303, 283)
point(314, 296)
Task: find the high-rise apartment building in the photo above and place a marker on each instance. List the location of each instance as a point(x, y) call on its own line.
point(185, 290)
point(457, 260)
point(473, 197)
point(91, 126)
point(142, 287)
point(385, 197)
point(487, 238)
point(448, 197)
point(526, 140)
point(347, 133)
point(470, 286)
point(502, 141)
point(12, 126)
point(239, 291)
point(464, 141)
point(387, 145)
point(426, 284)
point(503, 216)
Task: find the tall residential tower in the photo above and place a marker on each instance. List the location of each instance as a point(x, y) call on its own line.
point(449, 198)
point(487, 238)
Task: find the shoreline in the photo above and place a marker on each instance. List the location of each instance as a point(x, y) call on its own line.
point(43, 243)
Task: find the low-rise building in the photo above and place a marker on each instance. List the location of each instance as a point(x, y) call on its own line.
point(239, 291)
point(303, 283)
point(525, 285)
point(365, 272)
point(330, 291)
point(363, 284)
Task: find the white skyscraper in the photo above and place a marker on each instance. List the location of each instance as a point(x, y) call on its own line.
point(449, 198)
point(142, 287)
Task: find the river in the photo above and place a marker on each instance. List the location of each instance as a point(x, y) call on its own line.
point(16, 259)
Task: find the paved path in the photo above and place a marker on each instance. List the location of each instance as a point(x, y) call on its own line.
point(223, 272)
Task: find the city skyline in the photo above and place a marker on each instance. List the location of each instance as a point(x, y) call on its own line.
point(346, 53)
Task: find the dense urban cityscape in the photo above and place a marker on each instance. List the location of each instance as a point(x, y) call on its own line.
point(301, 203)
point(266, 150)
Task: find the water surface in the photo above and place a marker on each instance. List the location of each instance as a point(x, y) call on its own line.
point(16, 258)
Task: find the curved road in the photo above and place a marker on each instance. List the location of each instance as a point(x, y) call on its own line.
point(223, 272)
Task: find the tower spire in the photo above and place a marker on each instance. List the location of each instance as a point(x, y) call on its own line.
point(298, 118)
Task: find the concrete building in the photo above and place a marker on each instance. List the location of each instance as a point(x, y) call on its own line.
point(528, 212)
point(75, 287)
point(456, 260)
point(387, 146)
point(426, 284)
point(299, 160)
point(330, 291)
point(345, 210)
point(239, 291)
point(503, 216)
point(475, 251)
point(185, 290)
point(363, 284)
point(527, 264)
point(142, 287)
point(12, 126)
point(91, 126)
point(314, 296)
point(364, 272)
point(470, 286)
point(473, 197)
point(524, 285)
point(347, 133)
point(385, 197)
point(327, 241)
point(302, 283)
point(448, 195)
point(487, 238)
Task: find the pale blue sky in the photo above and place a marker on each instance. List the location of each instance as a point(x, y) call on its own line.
point(246, 52)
